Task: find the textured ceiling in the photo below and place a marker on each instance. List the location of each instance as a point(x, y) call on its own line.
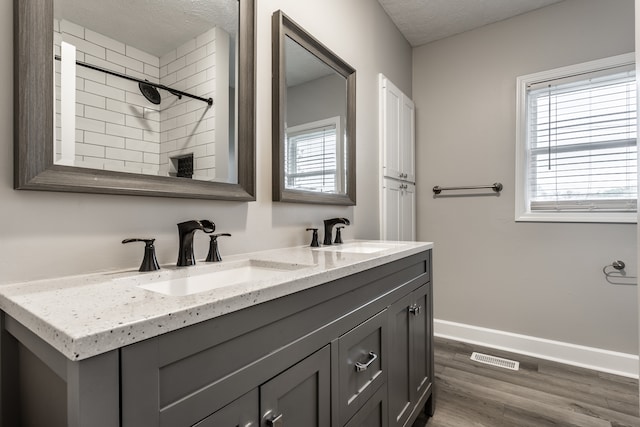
point(424, 21)
point(153, 26)
point(158, 26)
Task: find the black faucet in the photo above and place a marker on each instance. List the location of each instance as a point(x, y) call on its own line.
point(328, 228)
point(186, 231)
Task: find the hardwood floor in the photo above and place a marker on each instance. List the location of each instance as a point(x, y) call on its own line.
point(540, 394)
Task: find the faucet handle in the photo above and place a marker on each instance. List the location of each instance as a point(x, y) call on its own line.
point(214, 253)
point(314, 237)
point(149, 261)
point(338, 239)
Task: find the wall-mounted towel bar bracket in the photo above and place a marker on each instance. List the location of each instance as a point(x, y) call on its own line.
point(497, 187)
point(618, 276)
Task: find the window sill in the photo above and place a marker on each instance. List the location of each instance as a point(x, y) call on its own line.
point(600, 217)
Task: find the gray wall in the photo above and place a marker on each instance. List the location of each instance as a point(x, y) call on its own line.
point(537, 279)
point(52, 234)
point(318, 99)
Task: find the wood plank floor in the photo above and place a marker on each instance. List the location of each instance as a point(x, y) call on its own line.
point(540, 394)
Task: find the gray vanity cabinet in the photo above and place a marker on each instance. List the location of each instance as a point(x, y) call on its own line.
point(351, 352)
point(411, 356)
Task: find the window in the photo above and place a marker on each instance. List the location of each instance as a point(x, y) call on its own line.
point(576, 143)
point(311, 156)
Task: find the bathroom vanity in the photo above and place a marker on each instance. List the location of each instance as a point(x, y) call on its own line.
point(330, 336)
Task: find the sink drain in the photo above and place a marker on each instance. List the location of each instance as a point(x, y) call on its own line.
point(495, 361)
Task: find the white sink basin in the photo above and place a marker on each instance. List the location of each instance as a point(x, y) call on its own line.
point(193, 280)
point(359, 247)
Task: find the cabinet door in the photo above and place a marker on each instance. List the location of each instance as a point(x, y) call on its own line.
point(243, 412)
point(300, 396)
point(399, 379)
point(398, 210)
point(391, 123)
point(421, 354)
point(391, 210)
point(410, 355)
point(407, 140)
point(397, 132)
point(408, 212)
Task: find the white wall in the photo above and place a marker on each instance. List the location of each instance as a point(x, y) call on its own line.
point(318, 99)
point(538, 279)
point(46, 234)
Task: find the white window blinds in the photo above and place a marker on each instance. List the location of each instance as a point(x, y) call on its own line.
point(311, 158)
point(581, 143)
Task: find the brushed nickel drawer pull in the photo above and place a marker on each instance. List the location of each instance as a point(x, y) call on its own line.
point(415, 309)
point(364, 366)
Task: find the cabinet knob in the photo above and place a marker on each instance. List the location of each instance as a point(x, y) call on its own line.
point(415, 309)
point(364, 366)
point(276, 421)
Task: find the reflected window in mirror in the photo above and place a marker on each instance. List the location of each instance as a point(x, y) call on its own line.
point(312, 156)
point(313, 119)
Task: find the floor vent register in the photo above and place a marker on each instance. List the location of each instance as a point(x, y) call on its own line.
point(495, 361)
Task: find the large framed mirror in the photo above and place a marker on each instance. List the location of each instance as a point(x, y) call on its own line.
point(314, 110)
point(129, 97)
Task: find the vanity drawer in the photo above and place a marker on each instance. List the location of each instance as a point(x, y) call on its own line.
point(362, 364)
point(373, 412)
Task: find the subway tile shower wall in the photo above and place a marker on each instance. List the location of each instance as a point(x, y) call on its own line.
point(117, 128)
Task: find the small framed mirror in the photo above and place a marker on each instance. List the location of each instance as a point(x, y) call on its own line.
point(314, 110)
point(122, 97)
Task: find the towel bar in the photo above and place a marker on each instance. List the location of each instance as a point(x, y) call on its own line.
point(497, 187)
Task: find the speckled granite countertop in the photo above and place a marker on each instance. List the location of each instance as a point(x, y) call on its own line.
point(83, 316)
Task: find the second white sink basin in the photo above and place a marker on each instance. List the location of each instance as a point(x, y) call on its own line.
point(359, 247)
point(188, 282)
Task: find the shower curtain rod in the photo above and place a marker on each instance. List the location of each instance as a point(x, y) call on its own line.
point(175, 92)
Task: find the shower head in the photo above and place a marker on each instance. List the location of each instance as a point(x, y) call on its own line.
point(150, 92)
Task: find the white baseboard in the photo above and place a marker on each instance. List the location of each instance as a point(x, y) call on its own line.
point(586, 357)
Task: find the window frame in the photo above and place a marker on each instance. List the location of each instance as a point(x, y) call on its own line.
point(523, 212)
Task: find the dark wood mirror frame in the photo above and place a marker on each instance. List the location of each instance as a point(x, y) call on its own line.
point(33, 120)
point(283, 27)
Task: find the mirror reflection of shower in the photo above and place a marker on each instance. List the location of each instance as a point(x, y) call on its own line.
point(121, 108)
